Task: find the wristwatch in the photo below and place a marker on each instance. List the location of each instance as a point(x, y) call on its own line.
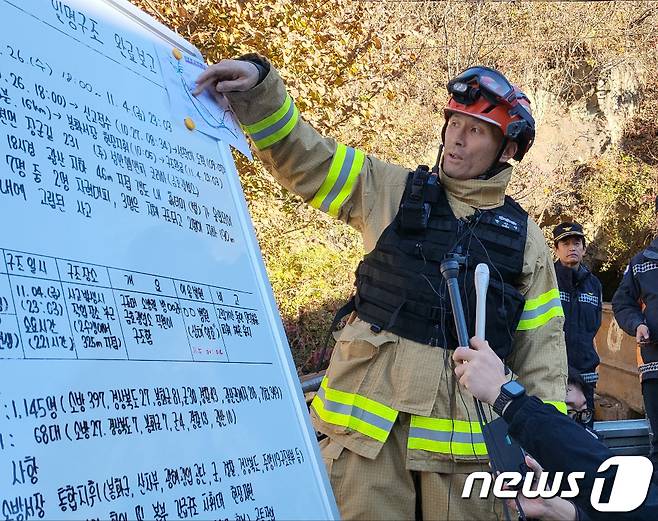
point(508, 392)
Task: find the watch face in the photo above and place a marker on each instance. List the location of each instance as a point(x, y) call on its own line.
point(514, 388)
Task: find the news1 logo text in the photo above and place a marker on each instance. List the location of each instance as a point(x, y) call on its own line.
point(629, 489)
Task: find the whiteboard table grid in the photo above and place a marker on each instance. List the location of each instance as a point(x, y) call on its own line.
point(11, 276)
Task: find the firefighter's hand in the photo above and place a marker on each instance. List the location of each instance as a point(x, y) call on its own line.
point(641, 333)
point(480, 370)
point(227, 76)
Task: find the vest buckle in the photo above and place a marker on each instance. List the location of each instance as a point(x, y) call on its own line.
point(414, 211)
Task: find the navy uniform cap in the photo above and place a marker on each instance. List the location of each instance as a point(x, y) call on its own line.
point(567, 229)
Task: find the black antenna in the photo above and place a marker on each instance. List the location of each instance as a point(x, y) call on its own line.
point(437, 164)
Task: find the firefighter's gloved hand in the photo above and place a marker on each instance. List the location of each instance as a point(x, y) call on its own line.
point(228, 76)
point(483, 374)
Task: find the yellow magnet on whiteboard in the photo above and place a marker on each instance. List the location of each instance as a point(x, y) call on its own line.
point(189, 123)
point(177, 54)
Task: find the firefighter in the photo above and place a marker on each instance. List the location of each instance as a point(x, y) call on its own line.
point(581, 296)
point(401, 438)
point(635, 306)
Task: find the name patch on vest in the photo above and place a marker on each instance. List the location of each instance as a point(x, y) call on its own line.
point(507, 223)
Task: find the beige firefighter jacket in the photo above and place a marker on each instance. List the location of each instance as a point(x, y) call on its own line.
point(373, 377)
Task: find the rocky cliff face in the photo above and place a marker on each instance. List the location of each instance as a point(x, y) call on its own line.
point(581, 123)
point(617, 98)
point(585, 163)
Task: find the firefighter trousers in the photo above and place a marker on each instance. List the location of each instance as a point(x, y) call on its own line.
point(382, 488)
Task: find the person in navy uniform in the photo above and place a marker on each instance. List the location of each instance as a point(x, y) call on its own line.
point(635, 305)
point(581, 297)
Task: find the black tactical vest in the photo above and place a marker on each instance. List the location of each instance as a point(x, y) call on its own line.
point(399, 284)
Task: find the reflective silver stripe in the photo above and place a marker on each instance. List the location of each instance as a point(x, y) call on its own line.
point(534, 313)
point(644, 267)
point(257, 136)
point(648, 367)
point(342, 178)
point(355, 412)
point(590, 378)
point(459, 437)
point(588, 299)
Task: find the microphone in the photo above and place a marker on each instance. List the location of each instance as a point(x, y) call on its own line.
point(481, 286)
point(450, 272)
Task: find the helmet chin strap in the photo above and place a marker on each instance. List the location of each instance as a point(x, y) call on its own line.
point(494, 168)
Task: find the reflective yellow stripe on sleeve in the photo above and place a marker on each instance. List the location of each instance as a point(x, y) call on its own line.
point(353, 411)
point(337, 186)
point(274, 127)
point(538, 311)
point(446, 436)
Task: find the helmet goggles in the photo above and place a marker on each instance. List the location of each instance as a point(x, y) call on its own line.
point(493, 86)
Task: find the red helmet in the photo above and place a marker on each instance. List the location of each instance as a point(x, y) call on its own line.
point(486, 94)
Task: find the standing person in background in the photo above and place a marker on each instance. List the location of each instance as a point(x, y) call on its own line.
point(581, 296)
point(635, 305)
point(401, 438)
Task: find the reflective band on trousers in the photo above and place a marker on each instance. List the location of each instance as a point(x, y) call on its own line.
point(274, 127)
point(337, 186)
point(356, 412)
point(458, 437)
point(538, 311)
point(462, 438)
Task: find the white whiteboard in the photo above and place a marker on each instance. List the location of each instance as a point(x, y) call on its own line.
point(144, 371)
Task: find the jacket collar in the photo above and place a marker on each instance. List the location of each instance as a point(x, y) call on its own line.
point(569, 278)
point(484, 194)
point(652, 250)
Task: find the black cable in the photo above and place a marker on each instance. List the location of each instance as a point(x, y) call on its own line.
point(502, 283)
point(465, 235)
